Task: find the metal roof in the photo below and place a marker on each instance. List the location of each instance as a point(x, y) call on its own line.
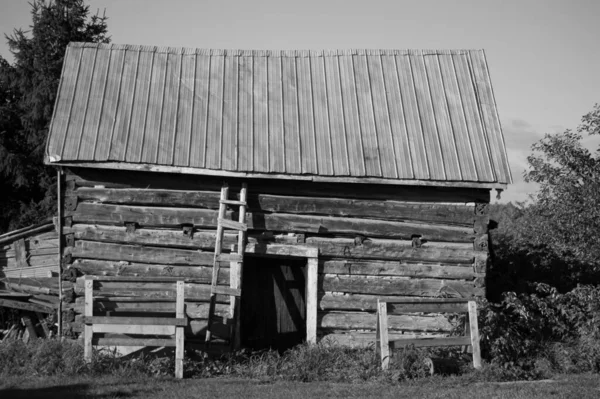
point(400, 116)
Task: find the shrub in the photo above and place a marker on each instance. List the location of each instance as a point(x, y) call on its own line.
point(526, 333)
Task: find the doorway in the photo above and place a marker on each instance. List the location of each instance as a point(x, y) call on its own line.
point(273, 303)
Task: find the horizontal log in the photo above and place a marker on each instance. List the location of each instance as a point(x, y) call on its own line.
point(398, 269)
point(329, 301)
point(143, 215)
point(165, 216)
point(150, 342)
point(401, 308)
point(174, 238)
point(144, 196)
point(393, 250)
point(32, 307)
point(120, 268)
point(367, 339)
point(367, 321)
point(355, 226)
point(88, 177)
point(380, 209)
point(138, 321)
point(106, 286)
point(140, 254)
point(429, 342)
point(400, 286)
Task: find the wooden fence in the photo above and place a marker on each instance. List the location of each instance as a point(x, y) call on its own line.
point(441, 305)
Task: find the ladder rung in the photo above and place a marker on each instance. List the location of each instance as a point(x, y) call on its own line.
point(230, 258)
point(223, 290)
point(233, 202)
point(230, 224)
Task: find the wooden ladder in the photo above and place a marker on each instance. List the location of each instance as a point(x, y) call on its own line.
point(238, 257)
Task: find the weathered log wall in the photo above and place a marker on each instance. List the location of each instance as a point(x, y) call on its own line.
point(374, 242)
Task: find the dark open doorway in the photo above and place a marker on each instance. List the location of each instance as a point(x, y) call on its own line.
point(273, 304)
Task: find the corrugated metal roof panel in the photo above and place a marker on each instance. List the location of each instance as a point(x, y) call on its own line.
point(406, 115)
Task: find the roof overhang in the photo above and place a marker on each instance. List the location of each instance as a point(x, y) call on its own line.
point(144, 167)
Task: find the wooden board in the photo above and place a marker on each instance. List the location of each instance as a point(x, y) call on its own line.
point(399, 286)
point(166, 216)
point(329, 301)
point(452, 271)
point(147, 236)
point(367, 339)
point(121, 268)
point(393, 250)
point(88, 177)
point(367, 321)
point(140, 254)
point(381, 209)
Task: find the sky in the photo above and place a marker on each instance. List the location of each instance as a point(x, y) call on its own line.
point(543, 55)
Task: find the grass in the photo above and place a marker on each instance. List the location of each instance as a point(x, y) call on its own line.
point(54, 369)
point(563, 386)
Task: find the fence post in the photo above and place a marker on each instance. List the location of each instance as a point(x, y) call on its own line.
point(179, 343)
point(474, 334)
point(384, 343)
point(89, 312)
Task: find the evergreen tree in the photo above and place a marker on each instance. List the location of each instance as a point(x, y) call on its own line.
point(28, 90)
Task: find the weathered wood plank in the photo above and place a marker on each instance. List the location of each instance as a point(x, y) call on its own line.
point(88, 177)
point(430, 342)
point(117, 306)
point(21, 256)
point(32, 307)
point(143, 215)
point(393, 210)
point(367, 321)
point(140, 254)
point(392, 249)
point(165, 216)
point(355, 226)
point(133, 329)
point(200, 240)
point(120, 268)
point(143, 196)
point(140, 321)
point(363, 302)
point(382, 209)
point(398, 269)
point(367, 339)
point(399, 286)
point(151, 342)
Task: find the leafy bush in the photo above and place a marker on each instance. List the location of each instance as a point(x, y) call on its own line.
point(530, 334)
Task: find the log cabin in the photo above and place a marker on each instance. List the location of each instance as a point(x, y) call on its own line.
point(369, 176)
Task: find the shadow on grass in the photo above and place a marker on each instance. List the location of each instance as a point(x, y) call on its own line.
point(69, 392)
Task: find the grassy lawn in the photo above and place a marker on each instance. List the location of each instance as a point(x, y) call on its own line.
point(563, 386)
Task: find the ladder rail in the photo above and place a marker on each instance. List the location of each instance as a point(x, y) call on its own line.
point(241, 226)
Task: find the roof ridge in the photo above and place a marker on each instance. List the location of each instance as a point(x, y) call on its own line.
point(272, 53)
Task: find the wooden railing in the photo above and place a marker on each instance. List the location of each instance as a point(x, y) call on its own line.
point(441, 305)
point(155, 326)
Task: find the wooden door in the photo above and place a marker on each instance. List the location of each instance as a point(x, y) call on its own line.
point(273, 308)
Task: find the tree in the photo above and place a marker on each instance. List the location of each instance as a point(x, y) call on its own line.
point(28, 90)
point(555, 239)
point(567, 203)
